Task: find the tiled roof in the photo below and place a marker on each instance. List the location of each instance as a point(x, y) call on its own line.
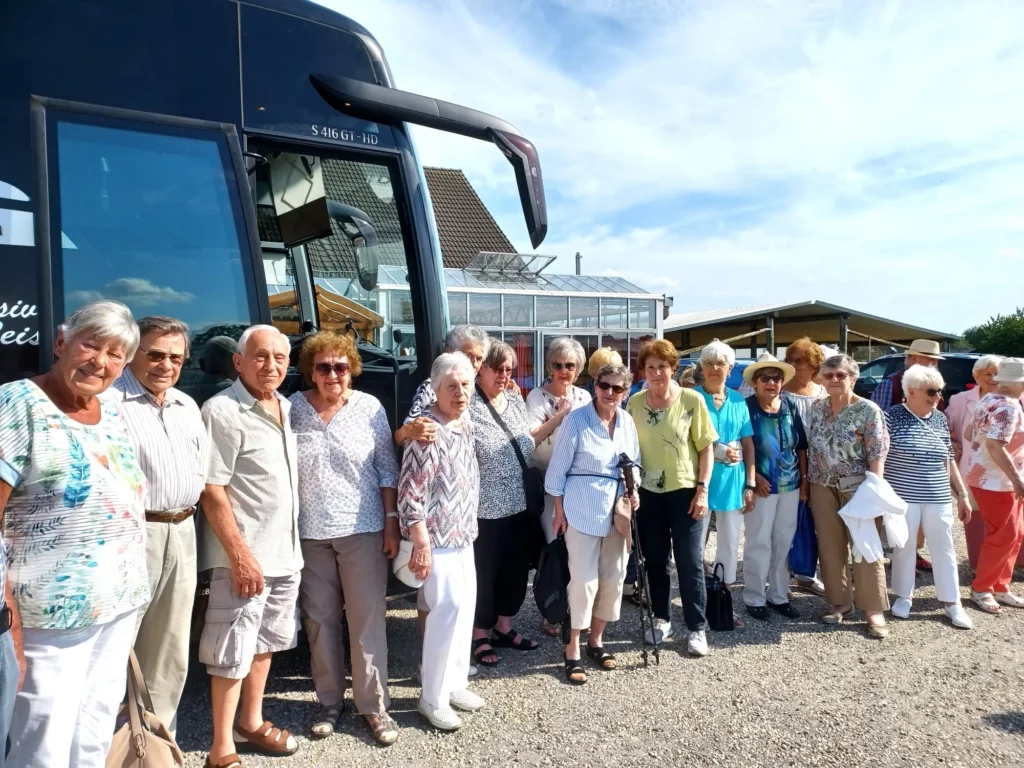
point(464, 225)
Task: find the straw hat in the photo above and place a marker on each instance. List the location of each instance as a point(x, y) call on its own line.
point(1011, 371)
point(768, 360)
point(925, 348)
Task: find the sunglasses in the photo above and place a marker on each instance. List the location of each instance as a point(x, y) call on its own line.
point(933, 392)
point(771, 377)
point(618, 389)
point(835, 376)
point(504, 370)
point(156, 356)
point(566, 366)
point(324, 369)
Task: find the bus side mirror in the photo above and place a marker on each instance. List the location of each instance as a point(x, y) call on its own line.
point(363, 235)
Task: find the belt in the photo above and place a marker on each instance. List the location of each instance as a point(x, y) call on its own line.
point(170, 517)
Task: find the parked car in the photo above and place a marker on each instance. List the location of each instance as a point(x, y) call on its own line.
point(956, 368)
point(735, 380)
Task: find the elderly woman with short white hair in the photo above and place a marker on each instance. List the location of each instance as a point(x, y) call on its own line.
point(438, 493)
point(71, 496)
point(921, 469)
point(731, 494)
point(960, 410)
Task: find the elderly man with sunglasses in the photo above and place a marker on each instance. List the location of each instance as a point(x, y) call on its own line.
point(171, 444)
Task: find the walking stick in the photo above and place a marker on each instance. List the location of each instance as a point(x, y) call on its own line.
point(646, 612)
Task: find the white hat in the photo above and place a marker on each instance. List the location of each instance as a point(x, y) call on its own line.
point(828, 351)
point(925, 348)
point(1010, 371)
point(768, 360)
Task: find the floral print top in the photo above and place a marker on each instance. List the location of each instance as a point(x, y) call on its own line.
point(842, 445)
point(75, 520)
point(998, 417)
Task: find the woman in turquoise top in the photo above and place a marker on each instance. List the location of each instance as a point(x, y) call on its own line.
point(732, 482)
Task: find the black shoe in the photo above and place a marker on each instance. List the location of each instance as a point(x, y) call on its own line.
point(786, 609)
point(758, 612)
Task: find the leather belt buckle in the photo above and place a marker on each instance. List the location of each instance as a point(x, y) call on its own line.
point(171, 518)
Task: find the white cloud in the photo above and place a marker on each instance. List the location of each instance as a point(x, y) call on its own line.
point(136, 292)
point(860, 152)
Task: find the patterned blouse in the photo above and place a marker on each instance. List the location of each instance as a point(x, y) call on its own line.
point(440, 484)
point(343, 464)
point(541, 405)
point(1001, 418)
point(843, 445)
point(503, 494)
point(75, 520)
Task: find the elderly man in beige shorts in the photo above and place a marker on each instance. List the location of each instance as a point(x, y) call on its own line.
point(251, 541)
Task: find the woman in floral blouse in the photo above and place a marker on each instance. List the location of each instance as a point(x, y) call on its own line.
point(846, 438)
point(438, 493)
point(348, 528)
point(71, 495)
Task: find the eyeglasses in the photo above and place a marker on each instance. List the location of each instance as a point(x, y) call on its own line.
point(156, 356)
point(770, 377)
point(618, 389)
point(839, 376)
point(933, 392)
point(504, 370)
point(324, 369)
point(566, 366)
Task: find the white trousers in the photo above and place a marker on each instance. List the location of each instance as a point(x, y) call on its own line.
point(768, 534)
point(937, 521)
point(450, 594)
point(728, 526)
point(597, 571)
point(65, 712)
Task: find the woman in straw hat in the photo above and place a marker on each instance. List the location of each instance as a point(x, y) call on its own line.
point(780, 461)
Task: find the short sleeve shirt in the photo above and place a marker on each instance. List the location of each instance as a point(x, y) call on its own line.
point(343, 464)
point(75, 520)
point(502, 493)
point(843, 445)
point(998, 417)
point(256, 459)
point(732, 423)
point(917, 466)
point(671, 439)
point(777, 438)
point(540, 407)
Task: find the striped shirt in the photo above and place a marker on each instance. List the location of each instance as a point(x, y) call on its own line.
point(170, 442)
point(583, 448)
point(917, 466)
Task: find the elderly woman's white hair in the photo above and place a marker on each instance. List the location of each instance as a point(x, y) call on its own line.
point(252, 330)
point(843, 363)
point(460, 334)
point(922, 377)
point(718, 352)
point(447, 363)
point(565, 348)
point(985, 362)
point(106, 320)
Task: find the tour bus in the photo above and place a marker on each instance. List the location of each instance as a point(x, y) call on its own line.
point(225, 162)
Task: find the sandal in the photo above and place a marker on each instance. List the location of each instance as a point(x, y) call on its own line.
point(985, 601)
point(551, 630)
point(231, 761)
point(837, 615)
point(325, 723)
point(479, 653)
point(385, 731)
point(268, 739)
point(508, 640)
point(574, 671)
point(604, 659)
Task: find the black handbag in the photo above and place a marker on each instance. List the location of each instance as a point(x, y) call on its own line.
point(719, 603)
point(533, 478)
point(551, 582)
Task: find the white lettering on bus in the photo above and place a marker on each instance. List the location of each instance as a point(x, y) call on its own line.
point(343, 134)
point(19, 311)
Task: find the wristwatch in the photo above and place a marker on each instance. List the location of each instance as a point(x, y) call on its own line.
point(702, 484)
point(752, 488)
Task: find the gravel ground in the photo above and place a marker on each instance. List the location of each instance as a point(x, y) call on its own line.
point(778, 693)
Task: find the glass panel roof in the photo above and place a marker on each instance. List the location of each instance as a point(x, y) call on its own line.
point(462, 278)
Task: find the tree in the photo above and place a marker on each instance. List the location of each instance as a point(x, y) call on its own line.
point(1001, 335)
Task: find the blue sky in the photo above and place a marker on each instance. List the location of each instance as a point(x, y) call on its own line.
point(737, 153)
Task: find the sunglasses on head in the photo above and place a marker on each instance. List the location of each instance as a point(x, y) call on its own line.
point(324, 369)
point(566, 366)
point(156, 356)
point(618, 389)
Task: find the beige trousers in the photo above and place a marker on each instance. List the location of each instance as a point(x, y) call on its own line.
point(351, 573)
point(163, 627)
point(597, 570)
point(869, 587)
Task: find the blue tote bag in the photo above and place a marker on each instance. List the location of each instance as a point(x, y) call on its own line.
point(803, 554)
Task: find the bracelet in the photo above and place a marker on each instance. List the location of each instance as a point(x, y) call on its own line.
point(752, 488)
point(391, 514)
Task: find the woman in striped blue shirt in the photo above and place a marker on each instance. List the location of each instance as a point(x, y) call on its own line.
point(585, 480)
point(921, 469)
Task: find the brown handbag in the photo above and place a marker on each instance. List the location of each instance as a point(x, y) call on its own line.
point(622, 519)
point(140, 739)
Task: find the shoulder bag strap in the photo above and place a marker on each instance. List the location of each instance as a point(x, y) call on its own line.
point(137, 685)
point(508, 433)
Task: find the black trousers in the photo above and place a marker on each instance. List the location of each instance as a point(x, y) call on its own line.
point(502, 554)
point(665, 526)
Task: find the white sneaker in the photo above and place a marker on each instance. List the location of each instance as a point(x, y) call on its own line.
point(442, 718)
point(1010, 599)
point(628, 590)
point(419, 672)
point(697, 645)
point(959, 617)
point(661, 632)
point(901, 608)
point(466, 700)
point(472, 670)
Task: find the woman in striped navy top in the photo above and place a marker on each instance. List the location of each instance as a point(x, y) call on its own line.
point(921, 469)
